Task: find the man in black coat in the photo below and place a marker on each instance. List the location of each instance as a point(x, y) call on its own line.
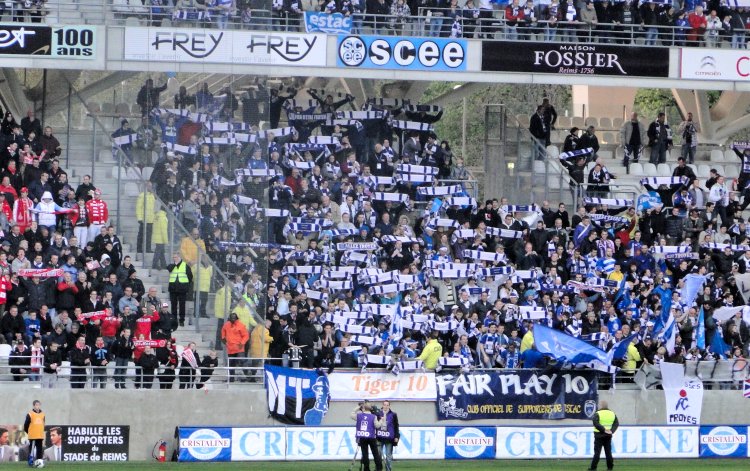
point(539, 129)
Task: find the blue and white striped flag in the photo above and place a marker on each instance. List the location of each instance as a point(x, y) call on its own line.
point(671, 181)
point(439, 190)
point(608, 201)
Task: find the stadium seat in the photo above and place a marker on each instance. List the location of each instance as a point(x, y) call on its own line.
point(591, 121)
point(730, 156)
point(605, 154)
point(732, 171)
point(132, 21)
point(695, 169)
point(553, 182)
point(608, 137)
point(717, 155)
point(166, 22)
point(131, 189)
point(563, 122)
point(578, 122)
point(93, 107)
point(524, 120)
point(147, 171)
point(663, 170)
point(719, 169)
point(108, 108)
point(636, 169)
point(105, 155)
point(539, 166)
point(605, 123)
point(553, 152)
point(703, 171)
point(64, 369)
point(5, 350)
point(619, 154)
point(617, 123)
point(122, 109)
point(649, 169)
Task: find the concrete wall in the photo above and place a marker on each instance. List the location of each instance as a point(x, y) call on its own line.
point(153, 415)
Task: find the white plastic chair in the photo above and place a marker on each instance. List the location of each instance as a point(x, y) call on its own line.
point(717, 155)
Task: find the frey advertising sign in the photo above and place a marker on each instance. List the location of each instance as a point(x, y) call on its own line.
point(71, 42)
point(715, 64)
point(522, 394)
point(225, 47)
point(393, 52)
point(575, 59)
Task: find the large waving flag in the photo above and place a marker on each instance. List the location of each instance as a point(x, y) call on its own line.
point(718, 346)
point(700, 335)
point(570, 350)
point(692, 284)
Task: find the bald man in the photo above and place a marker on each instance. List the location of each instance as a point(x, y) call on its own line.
point(605, 425)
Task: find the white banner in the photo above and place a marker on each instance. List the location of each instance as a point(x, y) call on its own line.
point(328, 443)
point(224, 47)
point(683, 395)
point(714, 64)
point(578, 442)
point(356, 386)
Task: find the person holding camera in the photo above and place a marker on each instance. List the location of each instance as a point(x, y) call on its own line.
point(388, 433)
point(367, 425)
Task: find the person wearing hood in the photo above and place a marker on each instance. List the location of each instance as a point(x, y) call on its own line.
point(46, 211)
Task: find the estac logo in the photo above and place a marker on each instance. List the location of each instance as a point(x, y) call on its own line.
point(197, 45)
point(9, 37)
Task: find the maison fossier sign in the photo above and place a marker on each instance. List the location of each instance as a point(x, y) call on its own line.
point(225, 47)
point(575, 59)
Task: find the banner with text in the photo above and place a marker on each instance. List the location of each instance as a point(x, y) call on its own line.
point(296, 396)
point(355, 386)
point(516, 395)
point(298, 443)
point(225, 47)
point(724, 441)
point(683, 395)
point(575, 59)
point(87, 443)
point(403, 53)
point(714, 64)
point(578, 442)
point(71, 42)
point(331, 23)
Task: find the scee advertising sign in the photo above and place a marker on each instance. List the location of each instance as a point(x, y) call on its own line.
point(372, 52)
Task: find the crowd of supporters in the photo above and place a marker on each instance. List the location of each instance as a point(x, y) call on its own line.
point(352, 234)
point(669, 23)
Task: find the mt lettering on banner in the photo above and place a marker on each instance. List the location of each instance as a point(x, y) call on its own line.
point(516, 395)
point(393, 52)
point(225, 47)
point(296, 396)
point(575, 59)
point(683, 395)
point(578, 442)
point(351, 386)
point(88, 442)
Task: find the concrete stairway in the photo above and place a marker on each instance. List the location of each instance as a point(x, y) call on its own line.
point(105, 178)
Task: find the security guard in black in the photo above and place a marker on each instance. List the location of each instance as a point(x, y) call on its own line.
point(605, 425)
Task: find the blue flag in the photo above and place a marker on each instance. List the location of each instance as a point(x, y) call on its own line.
point(568, 349)
point(297, 396)
point(437, 203)
point(700, 335)
point(620, 349)
point(692, 283)
point(718, 346)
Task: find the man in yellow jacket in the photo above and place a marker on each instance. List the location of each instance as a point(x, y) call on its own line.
point(191, 246)
point(34, 428)
point(144, 214)
point(160, 238)
point(432, 351)
point(202, 275)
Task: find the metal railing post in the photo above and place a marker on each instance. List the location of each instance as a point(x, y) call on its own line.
point(68, 150)
point(119, 184)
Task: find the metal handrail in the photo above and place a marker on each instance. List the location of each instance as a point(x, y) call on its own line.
point(107, 12)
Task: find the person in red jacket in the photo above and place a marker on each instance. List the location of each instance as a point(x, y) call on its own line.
point(5, 288)
point(514, 14)
point(22, 210)
point(5, 207)
point(109, 328)
point(698, 25)
point(146, 322)
point(98, 214)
